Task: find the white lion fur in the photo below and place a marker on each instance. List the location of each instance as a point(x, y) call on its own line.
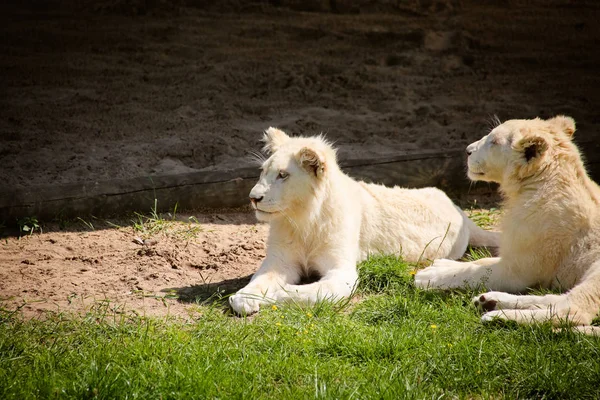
point(551, 227)
point(323, 222)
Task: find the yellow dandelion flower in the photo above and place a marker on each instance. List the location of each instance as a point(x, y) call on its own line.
point(413, 272)
point(433, 326)
point(278, 323)
point(274, 307)
point(309, 315)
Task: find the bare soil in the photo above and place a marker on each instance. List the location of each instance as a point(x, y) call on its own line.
point(160, 272)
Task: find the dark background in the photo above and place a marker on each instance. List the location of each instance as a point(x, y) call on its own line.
point(97, 90)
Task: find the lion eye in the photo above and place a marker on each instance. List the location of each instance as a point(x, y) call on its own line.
point(282, 175)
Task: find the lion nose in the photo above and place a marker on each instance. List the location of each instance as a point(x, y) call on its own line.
point(255, 199)
point(470, 149)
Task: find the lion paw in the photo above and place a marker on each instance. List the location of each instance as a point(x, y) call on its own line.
point(493, 316)
point(485, 302)
point(244, 304)
point(443, 274)
point(499, 301)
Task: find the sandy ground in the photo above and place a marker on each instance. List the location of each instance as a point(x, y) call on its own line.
point(154, 269)
point(162, 270)
point(104, 89)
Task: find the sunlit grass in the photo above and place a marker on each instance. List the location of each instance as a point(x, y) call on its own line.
point(390, 341)
point(396, 342)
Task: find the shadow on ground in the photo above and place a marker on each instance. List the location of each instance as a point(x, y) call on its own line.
point(210, 293)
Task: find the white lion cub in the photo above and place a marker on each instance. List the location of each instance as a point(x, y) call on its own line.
point(322, 222)
point(551, 226)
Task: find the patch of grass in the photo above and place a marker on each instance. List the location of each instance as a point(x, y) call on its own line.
point(150, 225)
point(157, 223)
point(87, 224)
point(397, 342)
point(476, 253)
point(28, 225)
point(485, 218)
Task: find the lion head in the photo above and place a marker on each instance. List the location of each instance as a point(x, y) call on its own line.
point(293, 175)
point(519, 149)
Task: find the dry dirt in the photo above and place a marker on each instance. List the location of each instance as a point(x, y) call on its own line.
point(74, 268)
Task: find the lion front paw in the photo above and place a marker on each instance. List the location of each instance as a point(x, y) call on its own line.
point(442, 274)
point(499, 301)
point(496, 315)
point(485, 302)
point(245, 304)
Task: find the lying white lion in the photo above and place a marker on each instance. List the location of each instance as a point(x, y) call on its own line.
point(323, 222)
point(551, 226)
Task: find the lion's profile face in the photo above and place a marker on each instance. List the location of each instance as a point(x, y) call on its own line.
point(291, 176)
point(283, 185)
point(518, 149)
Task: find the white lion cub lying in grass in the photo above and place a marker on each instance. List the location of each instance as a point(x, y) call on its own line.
point(551, 226)
point(323, 222)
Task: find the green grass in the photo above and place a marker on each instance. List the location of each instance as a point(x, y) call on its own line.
point(396, 342)
point(155, 223)
point(485, 218)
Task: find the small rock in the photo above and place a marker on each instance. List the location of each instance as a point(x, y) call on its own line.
point(150, 242)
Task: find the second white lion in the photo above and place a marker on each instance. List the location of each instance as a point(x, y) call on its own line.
point(322, 222)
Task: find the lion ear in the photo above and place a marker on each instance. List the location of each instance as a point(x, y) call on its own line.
point(312, 161)
point(273, 139)
point(564, 123)
point(532, 147)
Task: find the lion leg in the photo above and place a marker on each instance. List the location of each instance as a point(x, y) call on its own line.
point(579, 306)
point(266, 286)
point(494, 273)
point(334, 285)
point(480, 237)
point(500, 300)
point(528, 317)
point(587, 330)
point(338, 281)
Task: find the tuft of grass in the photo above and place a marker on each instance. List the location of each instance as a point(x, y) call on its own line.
point(485, 218)
point(397, 342)
point(157, 223)
point(383, 274)
point(28, 225)
point(87, 224)
point(476, 253)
